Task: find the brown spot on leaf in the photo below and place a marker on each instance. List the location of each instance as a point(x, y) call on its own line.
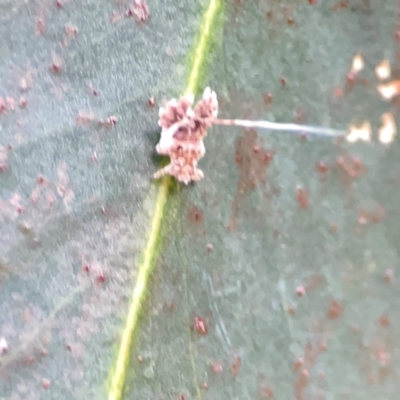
point(235, 365)
point(57, 65)
point(267, 97)
point(252, 165)
point(101, 278)
point(298, 364)
point(302, 197)
point(350, 167)
point(321, 167)
point(195, 215)
point(335, 310)
point(384, 320)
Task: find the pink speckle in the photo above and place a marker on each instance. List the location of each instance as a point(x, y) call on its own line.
point(217, 367)
point(46, 383)
point(300, 290)
point(201, 326)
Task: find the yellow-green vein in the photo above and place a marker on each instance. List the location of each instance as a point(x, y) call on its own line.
point(144, 270)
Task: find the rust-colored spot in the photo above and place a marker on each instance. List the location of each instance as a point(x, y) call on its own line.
point(40, 180)
point(384, 320)
point(300, 115)
point(298, 364)
point(86, 267)
point(3, 107)
point(302, 197)
point(101, 278)
point(322, 167)
point(303, 365)
point(283, 81)
point(289, 16)
point(334, 228)
point(340, 4)
point(267, 97)
point(350, 167)
point(57, 65)
point(151, 101)
point(269, 392)
point(301, 384)
point(195, 215)
point(200, 325)
point(376, 215)
point(252, 161)
point(23, 102)
point(335, 310)
point(235, 365)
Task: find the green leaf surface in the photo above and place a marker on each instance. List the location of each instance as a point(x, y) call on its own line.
point(267, 279)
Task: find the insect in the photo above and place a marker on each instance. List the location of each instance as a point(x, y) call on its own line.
point(184, 127)
point(183, 131)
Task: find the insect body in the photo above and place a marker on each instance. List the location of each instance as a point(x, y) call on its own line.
point(183, 131)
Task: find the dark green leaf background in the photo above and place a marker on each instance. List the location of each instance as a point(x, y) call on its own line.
point(62, 324)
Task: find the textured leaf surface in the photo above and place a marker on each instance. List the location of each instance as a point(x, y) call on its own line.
point(96, 201)
point(294, 285)
point(339, 339)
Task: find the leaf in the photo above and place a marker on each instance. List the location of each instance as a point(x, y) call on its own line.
point(289, 261)
point(78, 135)
point(273, 276)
